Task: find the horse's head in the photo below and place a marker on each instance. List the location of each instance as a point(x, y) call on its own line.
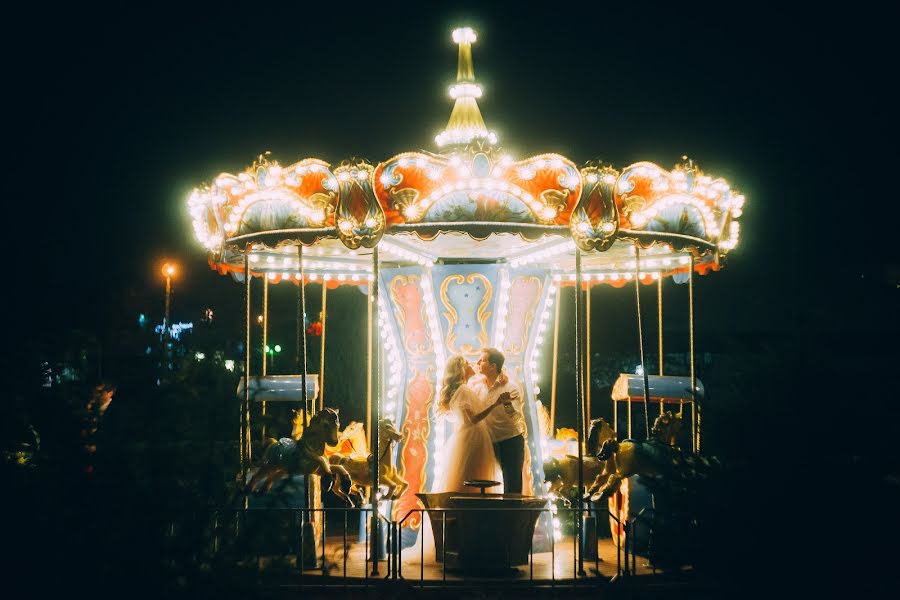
point(598, 432)
point(329, 423)
point(666, 427)
point(387, 431)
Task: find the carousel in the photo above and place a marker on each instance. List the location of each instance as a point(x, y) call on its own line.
point(461, 248)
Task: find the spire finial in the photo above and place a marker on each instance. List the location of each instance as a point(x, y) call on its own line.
point(466, 123)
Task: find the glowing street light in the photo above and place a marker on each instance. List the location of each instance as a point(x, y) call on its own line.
point(169, 269)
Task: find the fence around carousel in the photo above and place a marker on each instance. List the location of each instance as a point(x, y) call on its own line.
point(274, 541)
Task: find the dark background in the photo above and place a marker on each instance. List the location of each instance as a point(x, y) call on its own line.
point(115, 113)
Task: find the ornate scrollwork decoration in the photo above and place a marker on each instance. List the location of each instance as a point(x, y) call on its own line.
point(595, 219)
point(358, 216)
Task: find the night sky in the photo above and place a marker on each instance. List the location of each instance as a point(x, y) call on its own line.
point(117, 114)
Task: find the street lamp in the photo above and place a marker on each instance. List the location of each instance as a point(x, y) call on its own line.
point(168, 270)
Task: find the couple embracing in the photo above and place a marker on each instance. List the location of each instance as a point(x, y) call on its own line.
point(490, 423)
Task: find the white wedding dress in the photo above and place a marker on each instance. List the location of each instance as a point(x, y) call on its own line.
point(470, 455)
point(470, 452)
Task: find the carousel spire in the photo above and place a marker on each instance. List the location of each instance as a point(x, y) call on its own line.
point(466, 123)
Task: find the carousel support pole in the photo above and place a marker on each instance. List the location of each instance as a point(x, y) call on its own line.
point(695, 407)
point(369, 300)
point(265, 334)
point(322, 353)
point(579, 406)
point(375, 383)
point(308, 532)
point(637, 296)
point(587, 359)
point(659, 320)
point(245, 402)
point(555, 364)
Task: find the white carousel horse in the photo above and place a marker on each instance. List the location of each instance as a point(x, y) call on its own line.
point(360, 468)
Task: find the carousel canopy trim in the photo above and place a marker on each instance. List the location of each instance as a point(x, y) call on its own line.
point(424, 202)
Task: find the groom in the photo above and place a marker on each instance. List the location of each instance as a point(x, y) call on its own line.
point(506, 425)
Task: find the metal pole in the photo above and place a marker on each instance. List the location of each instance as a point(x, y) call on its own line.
point(637, 296)
point(695, 408)
point(300, 356)
point(579, 402)
point(659, 320)
point(322, 353)
point(166, 327)
point(245, 459)
point(369, 300)
point(265, 327)
point(374, 375)
point(265, 334)
point(587, 358)
point(555, 364)
point(301, 335)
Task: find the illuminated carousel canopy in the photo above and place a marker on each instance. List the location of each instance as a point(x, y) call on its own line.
point(429, 207)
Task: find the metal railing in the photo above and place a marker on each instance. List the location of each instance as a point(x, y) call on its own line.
point(283, 540)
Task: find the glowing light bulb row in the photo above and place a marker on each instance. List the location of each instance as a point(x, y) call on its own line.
point(309, 251)
point(465, 90)
point(425, 261)
point(528, 171)
point(314, 276)
point(360, 172)
point(434, 328)
point(608, 178)
point(502, 310)
point(199, 205)
point(554, 511)
point(321, 265)
point(393, 351)
point(734, 234)
point(440, 359)
point(613, 276)
point(540, 336)
point(465, 136)
point(561, 247)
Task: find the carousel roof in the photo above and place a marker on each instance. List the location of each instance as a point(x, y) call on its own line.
point(468, 202)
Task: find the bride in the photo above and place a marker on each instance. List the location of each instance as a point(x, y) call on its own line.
point(470, 450)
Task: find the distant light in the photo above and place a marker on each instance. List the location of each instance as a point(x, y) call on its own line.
point(277, 348)
point(199, 356)
point(639, 370)
point(229, 365)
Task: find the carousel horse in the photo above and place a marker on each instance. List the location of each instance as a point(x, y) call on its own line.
point(305, 456)
point(351, 439)
point(360, 468)
point(654, 457)
point(351, 442)
point(562, 473)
